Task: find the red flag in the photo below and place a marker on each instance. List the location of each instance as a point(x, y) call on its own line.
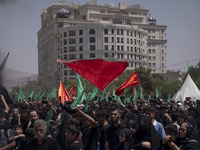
point(62, 92)
point(72, 91)
point(99, 72)
point(132, 81)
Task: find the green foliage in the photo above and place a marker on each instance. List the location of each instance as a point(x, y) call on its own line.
point(194, 72)
point(171, 88)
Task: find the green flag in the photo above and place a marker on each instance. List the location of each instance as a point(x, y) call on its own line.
point(86, 105)
point(115, 96)
point(88, 95)
point(187, 67)
point(157, 93)
point(98, 97)
point(89, 98)
point(53, 95)
point(32, 94)
point(107, 96)
point(43, 94)
point(126, 99)
point(79, 91)
point(118, 98)
point(48, 118)
point(148, 103)
point(160, 91)
point(37, 96)
point(20, 95)
point(135, 96)
point(29, 92)
point(78, 99)
point(141, 92)
point(138, 92)
point(149, 98)
point(169, 97)
point(94, 93)
point(102, 96)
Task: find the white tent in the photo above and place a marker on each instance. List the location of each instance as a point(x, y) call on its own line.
point(188, 89)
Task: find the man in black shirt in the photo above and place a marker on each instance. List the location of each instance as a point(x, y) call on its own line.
point(33, 117)
point(165, 119)
point(20, 138)
point(72, 138)
point(41, 142)
point(113, 131)
point(89, 130)
point(103, 126)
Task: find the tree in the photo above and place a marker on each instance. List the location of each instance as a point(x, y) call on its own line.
point(171, 88)
point(194, 72)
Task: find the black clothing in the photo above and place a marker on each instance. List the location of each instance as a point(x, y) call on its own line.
point(76, 146)
point(14, 121)
point(20, 143)
point(90, 138)
point(146, 132)
point(112, 135)
point(102, 136)
point(6, 134)
point(126, 145)
point(187, 144)
point(4, 92)
point(193, 131)
point(61, 138)
point(165, 147)
point(47, 144)
point(121, 146)
point(164, 120)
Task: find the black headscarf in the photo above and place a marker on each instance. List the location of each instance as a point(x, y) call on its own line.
point(127, 145)
point(189, 142)
point(190, 131)
point(147, 132)
point(134, 124)
point(192, 127)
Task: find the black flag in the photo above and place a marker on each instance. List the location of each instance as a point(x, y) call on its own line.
point(3, 90)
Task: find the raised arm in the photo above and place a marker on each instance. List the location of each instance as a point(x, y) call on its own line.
point(5, 104)
point(86, 116)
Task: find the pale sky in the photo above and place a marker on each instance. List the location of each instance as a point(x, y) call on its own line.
point(20, 22)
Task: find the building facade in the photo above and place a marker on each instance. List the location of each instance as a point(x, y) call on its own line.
point(173, 76)
point(93, 31)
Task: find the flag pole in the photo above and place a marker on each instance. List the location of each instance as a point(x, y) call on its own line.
point(26, 102)
point(116, 101)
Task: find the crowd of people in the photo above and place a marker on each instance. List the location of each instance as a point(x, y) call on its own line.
point(159, 125)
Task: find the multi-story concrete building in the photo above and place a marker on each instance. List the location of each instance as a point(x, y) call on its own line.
point(94, 31)
point(172, 76)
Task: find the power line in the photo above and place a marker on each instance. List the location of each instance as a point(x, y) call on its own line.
point(182, 63)
point(179, 69)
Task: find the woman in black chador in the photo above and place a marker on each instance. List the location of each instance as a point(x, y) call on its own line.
point(145, 137)
point(186, 140)
point(125, 139)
